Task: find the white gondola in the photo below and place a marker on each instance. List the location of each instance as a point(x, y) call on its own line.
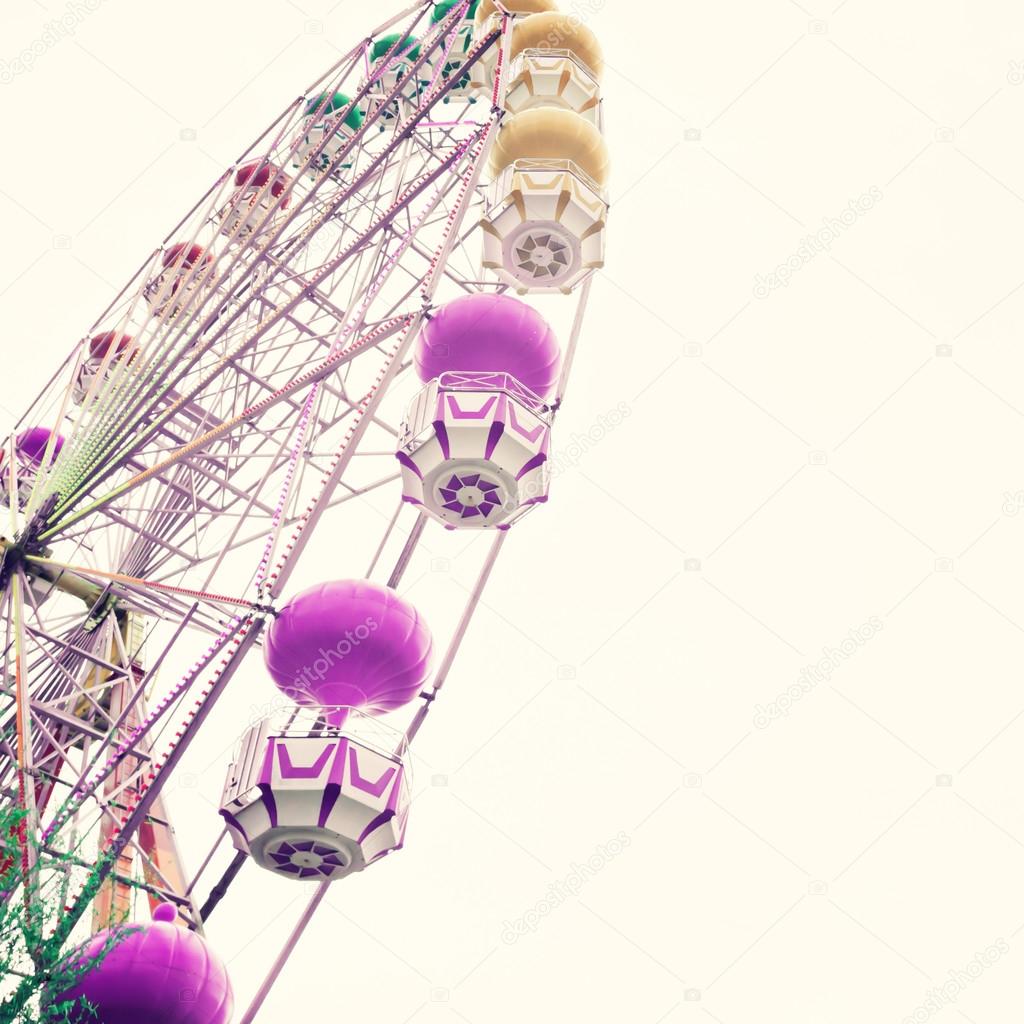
point(312, 801)
point(545, 229)
point(474, 450)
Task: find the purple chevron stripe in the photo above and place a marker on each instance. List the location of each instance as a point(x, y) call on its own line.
point(459, 413)
point(373, 788)
point(291, 771)
point(530, 435)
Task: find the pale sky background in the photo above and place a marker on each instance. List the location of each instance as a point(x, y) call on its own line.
point(839, 454)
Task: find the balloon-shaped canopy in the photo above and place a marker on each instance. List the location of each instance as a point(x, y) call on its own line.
point(349, 643)
point(444, 8)
point(385, 43)
point(554, 31)
point(487, 8)
point(110, 341)
point(31, 444)
point(338, 101)
point(548, 133)
point(186, 254)
point(489, 333)
point(157, 973)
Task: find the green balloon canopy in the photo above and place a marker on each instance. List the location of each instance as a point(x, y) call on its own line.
point(444, 8)
point(339, 101)
point(385, 43)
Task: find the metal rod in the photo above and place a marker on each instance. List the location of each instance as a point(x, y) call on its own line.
point(456, 641)
point(574, 337)
point(138, 815)
point(384, 540)
point(407, 551)
point(286, 952)
point(218, 892)
point(206, 861)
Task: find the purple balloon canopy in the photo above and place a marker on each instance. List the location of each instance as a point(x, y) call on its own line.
point(32, 444)
point(351, 643)
point(483, 333)
point(158, 973)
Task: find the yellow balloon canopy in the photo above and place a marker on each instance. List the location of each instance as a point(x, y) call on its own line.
point(554, 31)
point(549, 133)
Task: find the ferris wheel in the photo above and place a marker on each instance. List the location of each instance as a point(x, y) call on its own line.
point(353, 307)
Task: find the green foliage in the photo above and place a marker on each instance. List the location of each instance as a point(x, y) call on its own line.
point(35, 929)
